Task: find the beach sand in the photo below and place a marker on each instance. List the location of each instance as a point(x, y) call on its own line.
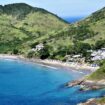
point(52, 63)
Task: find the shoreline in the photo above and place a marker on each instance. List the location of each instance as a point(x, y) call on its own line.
point(52, 63)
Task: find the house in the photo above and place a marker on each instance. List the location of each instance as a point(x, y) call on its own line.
point(39, 47)
point(75, 58)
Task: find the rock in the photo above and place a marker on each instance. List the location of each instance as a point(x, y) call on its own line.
point(91, 85)
point(89, 102)
point(85, 85)
point(74, 83)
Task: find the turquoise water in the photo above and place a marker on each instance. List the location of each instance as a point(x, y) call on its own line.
point(24, 83)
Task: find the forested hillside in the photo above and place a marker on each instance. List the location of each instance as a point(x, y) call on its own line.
point(88, 34)
point(20, 23)
point(22, 27)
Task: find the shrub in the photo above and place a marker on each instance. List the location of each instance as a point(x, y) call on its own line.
point(15, 51)
point(30, 54)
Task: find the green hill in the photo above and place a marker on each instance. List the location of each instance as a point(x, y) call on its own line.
point(97, 23)
point(71, 40)
point(89, 30)
point(99, 74)
point(20, 23)
point(23, 26)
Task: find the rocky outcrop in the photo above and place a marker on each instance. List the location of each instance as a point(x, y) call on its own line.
point(94, 101)
point(86, 84)
point(90, 102)
point(74, 83)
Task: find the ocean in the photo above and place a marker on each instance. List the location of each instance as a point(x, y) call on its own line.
point(73, 19)
point(24, 83)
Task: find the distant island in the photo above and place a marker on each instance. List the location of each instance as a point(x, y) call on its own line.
point(36, 33)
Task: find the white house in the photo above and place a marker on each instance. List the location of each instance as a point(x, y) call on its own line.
point(74, 58)
point(39, 47)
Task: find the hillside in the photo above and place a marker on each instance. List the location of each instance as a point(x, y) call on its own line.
point(99, 74)
point(20, 23)
point(97, 23)
point(86, 34)
point(97, 77)
point(88, 30)
point(23, 27)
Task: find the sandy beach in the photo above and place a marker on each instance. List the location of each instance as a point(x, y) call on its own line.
point(5, 56)
point(52, 63)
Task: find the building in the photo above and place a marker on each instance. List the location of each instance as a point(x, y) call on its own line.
point(75, 58)
point(98, 55)
point(38, 47)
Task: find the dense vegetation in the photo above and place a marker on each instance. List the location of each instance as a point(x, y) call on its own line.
point(89, 32)
point(100, 73)
point(21, 24)
point(97, 76)
point(22, 27)
point(101, 101)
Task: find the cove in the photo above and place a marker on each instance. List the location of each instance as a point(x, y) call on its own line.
point(24, 83)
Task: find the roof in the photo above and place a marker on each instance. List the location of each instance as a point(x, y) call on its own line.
point(40, 45)
point(76, 56)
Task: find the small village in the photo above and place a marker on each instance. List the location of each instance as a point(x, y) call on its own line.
point(95, 55)
point(76, 61)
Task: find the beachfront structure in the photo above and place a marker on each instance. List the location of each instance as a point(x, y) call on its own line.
point(75, 58)
point(98, 55)
point(39, 47)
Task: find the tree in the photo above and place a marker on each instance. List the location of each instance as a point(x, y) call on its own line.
point(99, 44)
point(44, 53)
point(83, 32)
point(80, 47)
point(30, 54)
point(15, 51)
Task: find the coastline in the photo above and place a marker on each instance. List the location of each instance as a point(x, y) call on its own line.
point(55, 64)
point(52, 63)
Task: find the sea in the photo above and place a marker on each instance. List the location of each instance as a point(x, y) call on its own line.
point(25, 83)
point(73, 19)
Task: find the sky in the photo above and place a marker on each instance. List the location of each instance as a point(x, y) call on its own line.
point(64, 8)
